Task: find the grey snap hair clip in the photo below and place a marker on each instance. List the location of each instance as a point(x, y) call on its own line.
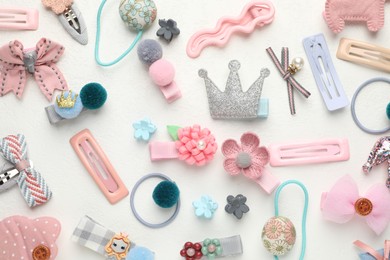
point(236, 205)
point(168, 29)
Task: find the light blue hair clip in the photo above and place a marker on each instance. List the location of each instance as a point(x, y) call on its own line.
point(205, 207)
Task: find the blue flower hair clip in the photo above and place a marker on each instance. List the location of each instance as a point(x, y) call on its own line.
point(205, 207)
point(144, 129)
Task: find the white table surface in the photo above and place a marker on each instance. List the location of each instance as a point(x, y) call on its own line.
point(132, 95)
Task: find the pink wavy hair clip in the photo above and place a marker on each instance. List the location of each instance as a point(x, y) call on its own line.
point(255, 14)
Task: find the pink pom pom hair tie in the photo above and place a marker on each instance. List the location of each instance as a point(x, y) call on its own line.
point(343, 202)
point(255, 14)
point(15, 62)
point(194, 145)
point(250, 160)
point(24, 238)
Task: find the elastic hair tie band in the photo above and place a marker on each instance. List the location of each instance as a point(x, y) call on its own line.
point(279, 232)
point(353, 110)
point(137, 216)
point(133, 19)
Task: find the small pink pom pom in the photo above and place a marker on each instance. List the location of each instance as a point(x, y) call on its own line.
point(162, 72)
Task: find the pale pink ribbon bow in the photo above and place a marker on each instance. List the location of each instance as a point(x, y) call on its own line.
point(15, 62)
point(342, 202)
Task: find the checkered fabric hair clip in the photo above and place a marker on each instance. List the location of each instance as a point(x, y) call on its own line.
point(107, 243)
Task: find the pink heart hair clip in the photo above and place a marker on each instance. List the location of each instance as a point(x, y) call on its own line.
point(255, 14)
point(24, 238)
point(250, 160)
point(343, 202)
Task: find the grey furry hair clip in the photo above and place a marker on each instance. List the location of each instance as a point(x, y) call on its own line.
point(234, 103)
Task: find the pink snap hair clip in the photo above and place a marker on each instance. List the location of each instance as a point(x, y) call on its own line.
point(16, 62)
point(255, 14)
point(18, 18)
point(194, 145)
point(250, 160)
point(343, 201)
point(24, 238)
point(339, 11)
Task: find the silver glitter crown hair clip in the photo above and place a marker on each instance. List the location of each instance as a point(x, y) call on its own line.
point(234, 103)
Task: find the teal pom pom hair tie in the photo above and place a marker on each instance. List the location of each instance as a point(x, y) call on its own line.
point(69, 105)
point(166, 194)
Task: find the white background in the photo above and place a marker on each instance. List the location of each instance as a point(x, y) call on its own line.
point(132, 95)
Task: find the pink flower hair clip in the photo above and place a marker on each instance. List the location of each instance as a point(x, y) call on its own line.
point(194, 145)
point(250, 160)
point(343, 201)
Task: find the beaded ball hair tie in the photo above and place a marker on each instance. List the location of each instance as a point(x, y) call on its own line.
point(279, 233)
point(137, 15)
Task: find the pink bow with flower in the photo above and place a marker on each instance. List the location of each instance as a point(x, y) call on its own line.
point(15, 62)
point(250, 160)
point(343, 201)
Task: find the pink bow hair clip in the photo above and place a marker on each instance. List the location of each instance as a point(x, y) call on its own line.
point(343, 201)
point(192, 144)
point(249, 159)
point(15, 62)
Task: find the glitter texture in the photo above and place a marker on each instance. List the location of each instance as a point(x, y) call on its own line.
point(234, 103)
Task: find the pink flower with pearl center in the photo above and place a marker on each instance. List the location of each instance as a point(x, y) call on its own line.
point(196, 145)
